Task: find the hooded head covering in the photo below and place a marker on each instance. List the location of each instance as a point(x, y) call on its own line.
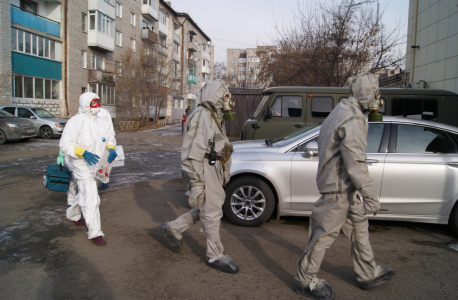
point(85, 102)
point(363, 88)
point(211, 95)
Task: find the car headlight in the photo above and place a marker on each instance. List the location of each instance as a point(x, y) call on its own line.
point(57, 125)
point(12, 125)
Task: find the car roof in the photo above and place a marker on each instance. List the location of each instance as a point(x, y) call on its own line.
point(346, 90)
point(419, 122)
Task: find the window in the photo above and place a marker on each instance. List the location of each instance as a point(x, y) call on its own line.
point(133, 19)
point(418, 139)
point(13, 38)
point(234, 60)
point(20, 40)
point(203, 62)
point(242, 68)
point(151, 3)
point(18, 86)
point(24, 113)
point(118, 38)
point(83, 21)
point(241, 77)
point(204, 48)
point(105, 24)
point(175, 48)
point(253, 59)
point(118, 68)
point(39, 88)
point(29, 6)
point(241, 85)
point(322, 106)
point(163, 18)
point(415, 108)
point(233, 77)
point(118, 9)
point(27, 42)
point(374, 137)
point(133, 44)
point(83, 90)
point(92, 21)
point(104, 91)
point(83, 59)
point(98, 62)
point(287, 106)
point(242, 60)
point(36, 88)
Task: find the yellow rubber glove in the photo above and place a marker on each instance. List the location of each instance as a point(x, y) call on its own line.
point(79, 151)
point(111, 147)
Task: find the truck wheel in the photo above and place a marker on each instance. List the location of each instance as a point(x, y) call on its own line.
point(249, 201)
point(46, 132)
point(453, 219)
point(3, 139)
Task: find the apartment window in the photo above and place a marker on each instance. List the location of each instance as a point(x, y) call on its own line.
point(234, 60)
point(83, 90)
point(84, 59)
point(233, 69)
point(83, 21)
point(133, 19)
point(133, 44)
point(203, 62)
point(163, 40)
point(92, 21)
point(29, 6)
point(118, 38)
point(204, 48)
point(151, 3)
point(26, 42)
point(27, 36)
point(118, 9)
point(242, 60)
point(118, 68)
point(162, 18)
point(176, 48)
point(35, 88)
point(242, 68)
point(241, 77)
point(253, 59)
point(98, 62)
point(241, 85)
point(105, 24)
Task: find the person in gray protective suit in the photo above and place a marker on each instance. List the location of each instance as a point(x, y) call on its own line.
point(347, 194)
point(206, 163)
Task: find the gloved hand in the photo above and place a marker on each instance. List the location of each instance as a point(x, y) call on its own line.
point(227, 175)
point(197, 195)
point(91, 158)
point(112, 155)
point(60, 158)
point(371, 205)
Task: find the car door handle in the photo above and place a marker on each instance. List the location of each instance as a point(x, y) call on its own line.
point(298, 125)
point(371, 161)
point(453, 165)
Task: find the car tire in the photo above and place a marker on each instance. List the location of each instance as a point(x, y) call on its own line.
point(249, 201)
point(46, 132)
point(453, 219)
point(3, 139)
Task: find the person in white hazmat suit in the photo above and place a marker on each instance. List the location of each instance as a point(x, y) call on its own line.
point(63, 160)
point(347, 194)
point(206, 163)
point(85, 138)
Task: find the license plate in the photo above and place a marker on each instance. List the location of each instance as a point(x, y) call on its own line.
point(30, 130)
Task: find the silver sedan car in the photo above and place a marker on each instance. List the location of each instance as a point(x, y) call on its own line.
point(414, 165)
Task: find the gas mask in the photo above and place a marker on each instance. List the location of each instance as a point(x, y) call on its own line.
point(374, 104)
point(227, 107)
point(95, 106)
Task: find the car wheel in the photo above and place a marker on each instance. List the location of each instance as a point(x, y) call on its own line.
point(3, 139)
point(46, 132)
point(249, 201)
point(453, 219)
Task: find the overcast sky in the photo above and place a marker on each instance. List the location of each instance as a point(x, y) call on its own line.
point(247, 23)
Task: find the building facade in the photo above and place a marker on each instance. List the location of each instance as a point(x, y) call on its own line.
point(432, 43)
point(60, 49)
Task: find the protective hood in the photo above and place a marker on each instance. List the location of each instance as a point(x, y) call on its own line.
point(85, 102)
point(363, 88)
point(211, 95)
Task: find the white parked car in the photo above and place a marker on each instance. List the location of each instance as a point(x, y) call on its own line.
point(414, 165)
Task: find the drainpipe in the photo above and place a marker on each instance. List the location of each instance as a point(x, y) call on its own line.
point(414, 41)
point(66, 56)
point(186, 61)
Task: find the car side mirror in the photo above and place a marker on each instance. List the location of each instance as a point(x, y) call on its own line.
point(268, 113)
point(311, 149)
point(33, 117)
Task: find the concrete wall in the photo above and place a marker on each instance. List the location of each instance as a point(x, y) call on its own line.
point(5, 54)
point(436, 61)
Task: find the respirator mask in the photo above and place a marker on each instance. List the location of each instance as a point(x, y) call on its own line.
point(374, 105)
point(228, 104)
point(95, 106)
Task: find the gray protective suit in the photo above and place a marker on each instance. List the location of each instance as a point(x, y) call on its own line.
point(347, 190)
point(205, 131)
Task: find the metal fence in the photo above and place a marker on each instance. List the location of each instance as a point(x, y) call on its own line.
point(246, 102)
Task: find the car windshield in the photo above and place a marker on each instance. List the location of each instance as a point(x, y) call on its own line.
point(295, 135)
point(5, 114)
point(261, 106)
point(42, 113)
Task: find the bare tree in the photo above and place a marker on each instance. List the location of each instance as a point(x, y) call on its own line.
point(219, 70)
point(330, 42)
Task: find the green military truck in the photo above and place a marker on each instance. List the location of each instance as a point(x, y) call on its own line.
point(285, 109)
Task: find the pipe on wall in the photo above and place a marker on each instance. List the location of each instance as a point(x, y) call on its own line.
point(414, 42)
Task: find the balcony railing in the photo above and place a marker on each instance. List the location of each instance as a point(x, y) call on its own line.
point(149, 35)
point(176, 56)
point(192, 78)
point(149, 60)
point(34, 21)
point(162, 49)
point(104, 6)
point(176, 38)
point(100, 76)
point(205, 69)
point(192, 62)
point(206, 55)
point(149, 13)
point(192, 46)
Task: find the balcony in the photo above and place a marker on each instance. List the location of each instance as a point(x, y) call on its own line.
point(206, 55)
point(100, 76)
point(149, 60)
point(192, 46)
point(191, 96)
point(192, 78)
point(149, 13)
point(162, 70)
point(37, 22)
point(100, 41)
point(176, 56)
point(206, 69)
point(103, 6)
point(192, 62)
point(176, 38)
point(162, 49)
point(149, 35)
point(162, 90)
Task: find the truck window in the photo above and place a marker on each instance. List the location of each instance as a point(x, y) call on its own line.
point(261, 106)
point(424, 109)
point(380, 110)
point(287, 106)
point(322, 106)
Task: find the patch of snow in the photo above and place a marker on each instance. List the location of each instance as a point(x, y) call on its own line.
point(454, 246)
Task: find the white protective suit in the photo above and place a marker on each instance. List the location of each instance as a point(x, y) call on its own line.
point(347, 190)
point(93, 134)
point(73, 187)
point(207, 194)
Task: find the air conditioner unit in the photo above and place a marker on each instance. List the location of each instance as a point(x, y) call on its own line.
point(416, 85)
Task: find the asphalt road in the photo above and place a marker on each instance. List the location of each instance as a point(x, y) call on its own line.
point(44, 256)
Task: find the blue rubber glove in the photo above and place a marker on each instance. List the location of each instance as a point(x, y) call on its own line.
point(91, 158)
point(60, 158)
point(112, 155)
